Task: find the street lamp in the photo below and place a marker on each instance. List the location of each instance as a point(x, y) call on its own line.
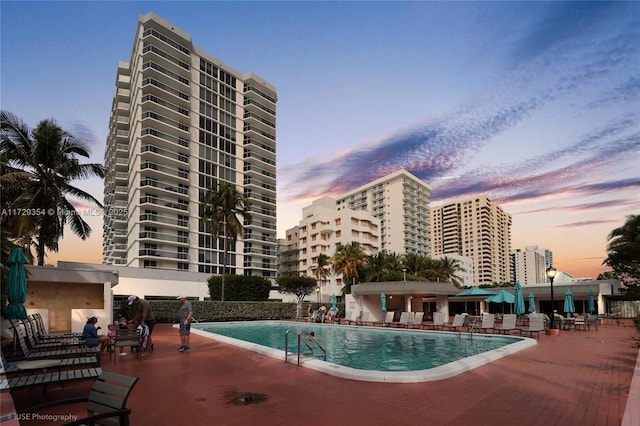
point(404, 274)
point(551, 274)
point(318, 294)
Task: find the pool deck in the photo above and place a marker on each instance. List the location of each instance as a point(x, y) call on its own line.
point(577, 378)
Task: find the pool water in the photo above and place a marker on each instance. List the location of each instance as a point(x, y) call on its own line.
point(371, 349)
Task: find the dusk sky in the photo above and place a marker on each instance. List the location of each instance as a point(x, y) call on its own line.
point(536, 104)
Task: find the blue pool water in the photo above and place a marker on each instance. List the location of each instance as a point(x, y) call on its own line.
point(371, 348)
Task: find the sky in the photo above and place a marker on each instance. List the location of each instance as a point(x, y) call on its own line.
point(536, 104)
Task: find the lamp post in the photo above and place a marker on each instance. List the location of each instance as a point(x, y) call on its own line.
point(551, 274)
point(404, 274)
point(318, 294)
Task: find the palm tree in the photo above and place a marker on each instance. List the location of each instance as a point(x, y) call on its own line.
point(347, 260)
point(623, 251)
point(376, 266)
point(221, 208)
point(450, 268)
point(43, 162)
point(416, 264)
point(321, 270)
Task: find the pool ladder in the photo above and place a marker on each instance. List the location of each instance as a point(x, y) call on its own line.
point(298, 334)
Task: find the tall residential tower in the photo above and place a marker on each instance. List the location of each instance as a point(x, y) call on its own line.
point(181, 121)
point(400, 201)
point(478, 229)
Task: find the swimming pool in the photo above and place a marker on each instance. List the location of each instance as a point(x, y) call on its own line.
point(373, 354)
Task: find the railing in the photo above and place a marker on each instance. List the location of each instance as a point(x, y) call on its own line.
point(298, 334)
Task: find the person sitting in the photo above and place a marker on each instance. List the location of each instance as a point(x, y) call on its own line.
point(322, 312)
point(91, 337)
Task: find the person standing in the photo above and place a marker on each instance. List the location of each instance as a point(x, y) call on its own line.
point(144, 316)
point(185, 313)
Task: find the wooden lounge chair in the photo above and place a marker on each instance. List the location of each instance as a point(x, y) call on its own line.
point(508, 324)
point(438, 321)
point(488, 323)
point(417, 320)
point(536, 325)
point(458, 324)
point(106, 403)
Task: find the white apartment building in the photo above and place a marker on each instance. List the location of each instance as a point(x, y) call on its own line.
point(400, 201)
point(322, 229)
point(478, 229)
point(181, 121)
point(529, 266)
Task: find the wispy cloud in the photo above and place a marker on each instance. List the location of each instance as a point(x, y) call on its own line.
point(583, 223)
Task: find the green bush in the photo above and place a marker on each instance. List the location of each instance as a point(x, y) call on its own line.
point(239, 288)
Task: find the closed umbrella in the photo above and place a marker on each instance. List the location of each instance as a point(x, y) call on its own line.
point(518, 308)
point(383, 302)
point(569, 308)
point(591, 306)
point(334, 302)
point(532, 302)
point(16, 286)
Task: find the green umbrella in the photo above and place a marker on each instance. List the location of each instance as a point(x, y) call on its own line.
point(591, 306)
point(334, 305)
point(475, 293)
point(502, 297)
point(16, 286)
point(569, 308)
point(518, 308)
point(383, 302)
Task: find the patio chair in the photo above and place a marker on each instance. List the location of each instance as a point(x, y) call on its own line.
point(536, 325)
point(508, 324)
point(580, 322)
point(356, 316)
point(460, 321)
point(590, 320)
point(488, 323)
point(417, 320)
point(438, 321)
point(35, 339)
point(126, 338)
point(106, 403)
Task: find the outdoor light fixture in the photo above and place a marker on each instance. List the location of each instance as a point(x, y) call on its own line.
point(404, 274)
point(318, 294)
point(551, 274)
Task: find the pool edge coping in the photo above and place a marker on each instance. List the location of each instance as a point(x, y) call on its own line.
point(416, 376)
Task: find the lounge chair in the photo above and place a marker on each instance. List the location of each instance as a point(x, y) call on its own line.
point(458, 324)
point(51, 353)
point(417, 320)
point(355, 315)
point(388, 320)
point(438, 321)
point(38, 322)
point(37, 342)
point(406, 318)
point(536, 325)
point(508, 324)
point(488, 323)
point(106, 403)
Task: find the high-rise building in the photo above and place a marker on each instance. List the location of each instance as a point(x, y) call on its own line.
point(181, 121)
point(400, 201)
point(529, 266)
point(322, 229)
point(478, 229)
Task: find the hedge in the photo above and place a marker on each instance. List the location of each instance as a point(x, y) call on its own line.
point(166, 311)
